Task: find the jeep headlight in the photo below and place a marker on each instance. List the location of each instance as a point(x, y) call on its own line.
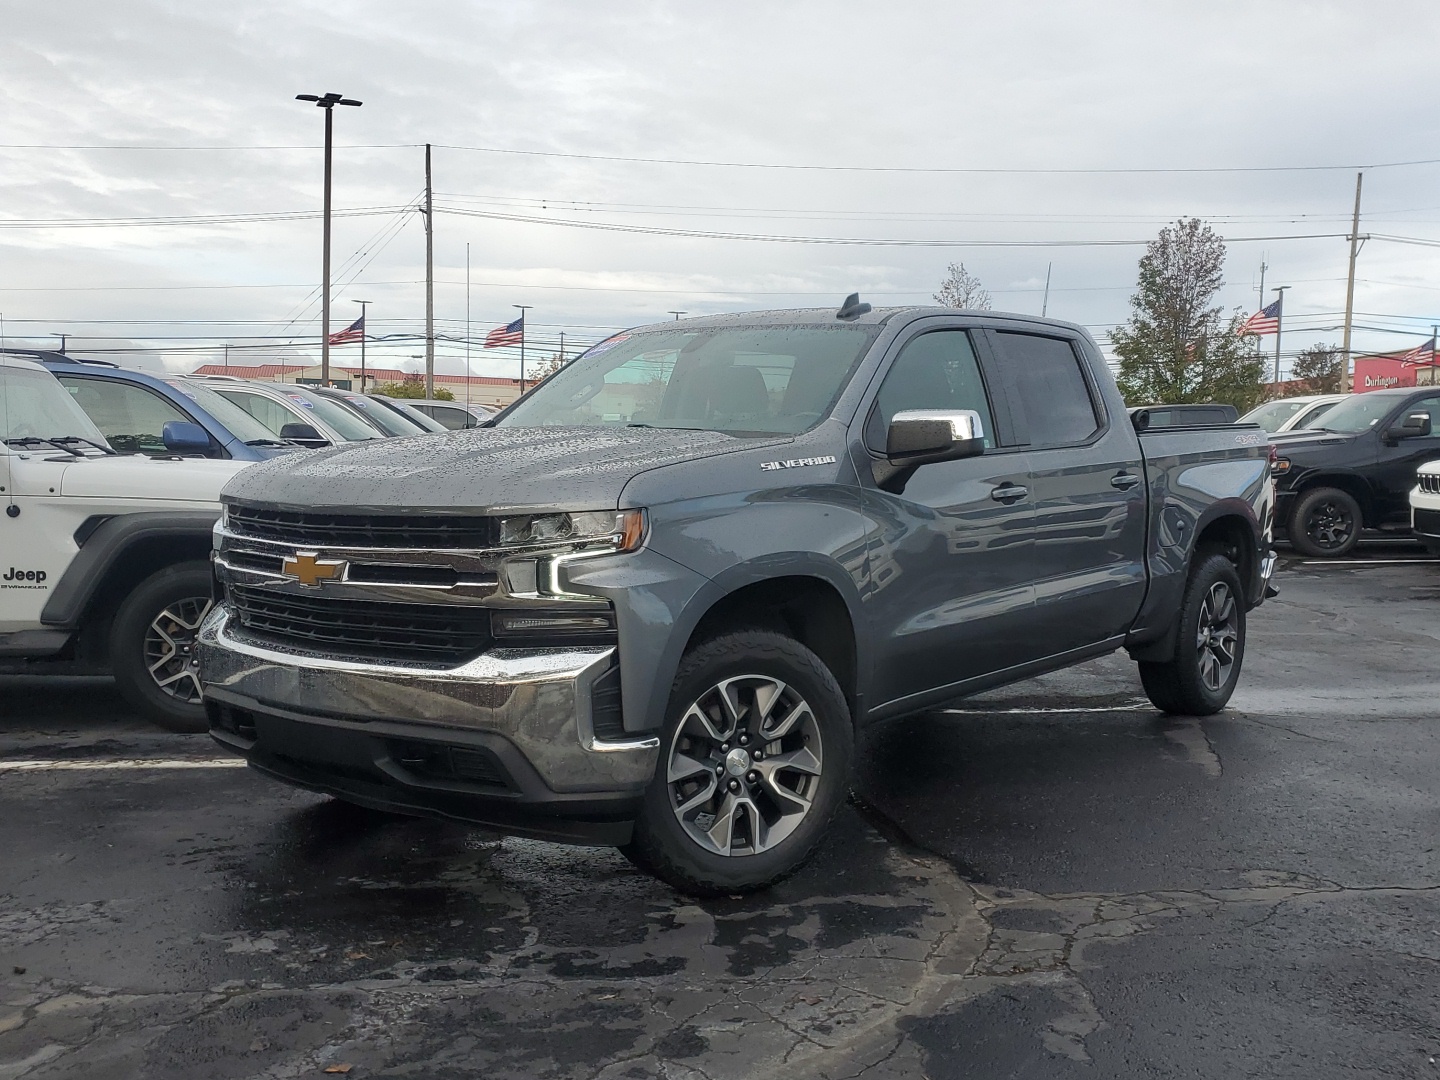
point(606, 530)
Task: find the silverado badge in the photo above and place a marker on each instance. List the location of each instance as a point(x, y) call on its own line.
point(307, 569)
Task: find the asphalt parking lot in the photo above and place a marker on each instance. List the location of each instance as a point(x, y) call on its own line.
point(1050, 881)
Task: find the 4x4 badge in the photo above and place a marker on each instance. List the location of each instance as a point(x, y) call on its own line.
point(306, 568)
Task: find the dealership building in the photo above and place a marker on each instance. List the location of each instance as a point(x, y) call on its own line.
point(480, 389)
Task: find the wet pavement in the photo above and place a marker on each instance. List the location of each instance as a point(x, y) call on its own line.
point(1050, 881)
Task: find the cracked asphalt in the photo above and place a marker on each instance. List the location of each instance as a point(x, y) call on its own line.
point(1049, 881)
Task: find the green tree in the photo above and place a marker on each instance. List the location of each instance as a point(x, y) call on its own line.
point(1177, 346)
point(962, 289)
point(1320, 368)
point(413, 386)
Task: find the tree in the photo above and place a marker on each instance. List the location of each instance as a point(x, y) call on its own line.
point(413, 387)
point(1320, 368)
point(1177, 346)
point(962, 289)
point(545, 368)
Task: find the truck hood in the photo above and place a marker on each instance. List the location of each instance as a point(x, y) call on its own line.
point(1287, 441)
point(133, 476)
point(508, 469)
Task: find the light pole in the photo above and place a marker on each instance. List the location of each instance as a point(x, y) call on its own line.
point(1279, 315)
point(523, 308)
point(328, 103)
point(677, 314)
point(364, 331)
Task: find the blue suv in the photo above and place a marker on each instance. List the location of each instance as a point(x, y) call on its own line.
point(141, 413)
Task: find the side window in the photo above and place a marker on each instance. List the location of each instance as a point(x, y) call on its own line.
point(272, 414)
point(1052, 389)
point(1429, 405)
point(937, 370)
point(131, 417)
point(454, 419)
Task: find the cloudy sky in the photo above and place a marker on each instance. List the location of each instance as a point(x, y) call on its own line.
point(159, 183)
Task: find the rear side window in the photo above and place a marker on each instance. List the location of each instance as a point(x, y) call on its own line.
point(1052, 388)
point(270, 413)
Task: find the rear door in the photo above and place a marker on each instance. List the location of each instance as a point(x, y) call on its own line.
point(1087, 482)
point(949, 557)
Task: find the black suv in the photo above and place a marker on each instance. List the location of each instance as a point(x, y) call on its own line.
point(1357, 470)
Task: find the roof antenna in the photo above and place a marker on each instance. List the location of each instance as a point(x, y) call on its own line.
point(852, 308)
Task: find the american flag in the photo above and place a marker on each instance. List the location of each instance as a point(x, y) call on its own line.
point(510, 334)
point(1264, 321)
point(1420, 356)
point(354, 332)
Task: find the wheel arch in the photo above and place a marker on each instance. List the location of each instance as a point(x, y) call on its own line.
point(1354, 485)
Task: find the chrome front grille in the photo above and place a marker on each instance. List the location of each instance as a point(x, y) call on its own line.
point(376, 630)
point(1430, 483)
point(312, 529)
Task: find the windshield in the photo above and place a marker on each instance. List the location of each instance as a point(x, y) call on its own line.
point(745, 380)
point(35, 405)
point(383, 417)
point(1271, 415)
point(347, 423)
point(1359, 413)
point(231, 417)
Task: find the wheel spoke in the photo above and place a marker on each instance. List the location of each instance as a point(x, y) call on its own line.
point(172, 679)
point(698, 799)
point(682, 767)
point(784, 727)
point(722, 833)
point(695, 714)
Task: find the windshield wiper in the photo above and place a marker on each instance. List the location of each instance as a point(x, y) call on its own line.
point(104, 448)
point(267, 442)
point(32, 440)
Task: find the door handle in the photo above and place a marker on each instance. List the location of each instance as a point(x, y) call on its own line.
point(1009, 493)
point(1124, 481)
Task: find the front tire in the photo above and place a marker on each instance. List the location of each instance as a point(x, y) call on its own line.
point(755, 759)
point(1209, 647)
point(1325, 523)
point(152, 644)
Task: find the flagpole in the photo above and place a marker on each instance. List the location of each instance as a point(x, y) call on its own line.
point(467, 327)
point(523, 308)
point(1279, 316)
point(364, 330)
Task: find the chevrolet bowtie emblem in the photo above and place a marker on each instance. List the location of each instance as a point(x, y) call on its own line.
point(309, 570)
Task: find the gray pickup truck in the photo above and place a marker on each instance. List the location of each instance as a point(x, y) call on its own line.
point(651, 603)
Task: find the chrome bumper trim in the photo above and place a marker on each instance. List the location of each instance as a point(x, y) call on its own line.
point(538, 699)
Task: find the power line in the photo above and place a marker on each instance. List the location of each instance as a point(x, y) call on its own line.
point(196, 219)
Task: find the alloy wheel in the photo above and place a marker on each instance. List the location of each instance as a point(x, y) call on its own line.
point(744, 765)
point(1217, 638)
point(170, 648)
point(1329, 525)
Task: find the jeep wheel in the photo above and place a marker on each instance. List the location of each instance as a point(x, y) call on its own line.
point(1325, 522)
point(754, 761)
point(1209, 646)
point(152, 644)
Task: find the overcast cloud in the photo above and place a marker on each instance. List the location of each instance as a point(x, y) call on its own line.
point(1021, 86)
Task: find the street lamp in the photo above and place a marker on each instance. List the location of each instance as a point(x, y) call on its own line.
point(677, 314)
point(328, 103)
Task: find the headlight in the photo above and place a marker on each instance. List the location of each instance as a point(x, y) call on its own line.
point(600, 529)
point(1280, 466)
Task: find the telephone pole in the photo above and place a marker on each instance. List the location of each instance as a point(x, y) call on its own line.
point(328, 103)
point(1263, 268)
point(1350, 285)
point(429, 281)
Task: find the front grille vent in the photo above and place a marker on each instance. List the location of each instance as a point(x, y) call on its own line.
point(442, 635)
point(304, 528)
point(605, 714)
point(1427, 521)
point(454, 763)
point(1430, 483)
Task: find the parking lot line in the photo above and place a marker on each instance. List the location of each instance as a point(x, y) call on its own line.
point(93, 764)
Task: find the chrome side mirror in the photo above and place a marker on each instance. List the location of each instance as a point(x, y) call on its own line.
point(922, 436)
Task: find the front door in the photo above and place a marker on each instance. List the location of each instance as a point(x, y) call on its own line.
point(949, 596)
point(1399, 463)
point(1087, 483)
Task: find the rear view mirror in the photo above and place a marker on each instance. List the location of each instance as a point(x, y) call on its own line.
point(1414, 426)
point(304, 434)
point(183, 437)
point(922, 436)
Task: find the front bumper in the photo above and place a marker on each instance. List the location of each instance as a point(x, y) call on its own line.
point(506, 739)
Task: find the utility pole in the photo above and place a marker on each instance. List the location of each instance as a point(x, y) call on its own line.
point(62, 338)
point(364, 333)
point(1279, 315)
point(1350, 285)
point(429, 281)
point(1045, 303)
point(1263, 268)
point(467, 327)
point(227, 356)
point(328, 103)
point(523, 308)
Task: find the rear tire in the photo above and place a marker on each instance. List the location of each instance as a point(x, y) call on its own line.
point(1209, 645)
point(1325, 523)
point(716, 820)
point(152, 646)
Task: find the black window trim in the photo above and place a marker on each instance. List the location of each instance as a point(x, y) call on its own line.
point(1082, 360)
